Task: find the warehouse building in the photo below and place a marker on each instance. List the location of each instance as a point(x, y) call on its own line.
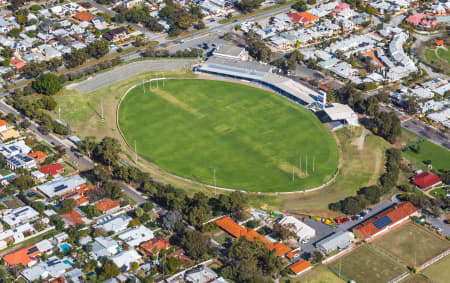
point(338, 241)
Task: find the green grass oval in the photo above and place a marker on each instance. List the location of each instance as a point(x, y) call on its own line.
point(253, 138)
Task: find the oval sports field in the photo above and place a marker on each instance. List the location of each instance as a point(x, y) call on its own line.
point(255, 140)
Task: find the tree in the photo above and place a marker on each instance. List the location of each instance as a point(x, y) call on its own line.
point(15, 32)
point(139, 212)
point(24, 182)
point(47, 84)
point(76, 57)
point(108, 271)
point(112, 190)
point(134, 266)
point(147, 206)
point(196, 244)
point(317, 257)
point(38, 206)
point(98, 48)
point(92, 211)
point(67, 205)
point(101, 173)
point(107, 151)
point(170, 219)
point(88, 145)
point(247, 6)
point(235, 204)
point(200, 25)
point(300, 6)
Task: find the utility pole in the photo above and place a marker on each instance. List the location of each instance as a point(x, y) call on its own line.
point(163, 79)
point(150, 80)
point(215, 185)
point(59, 113)
point(292, 174)
point(157, 85)
point(300, 163)
point(101, 105)
point(307, 164)
point(314, 163)
point(340, 265)
point(143, 85)
point(135, 152)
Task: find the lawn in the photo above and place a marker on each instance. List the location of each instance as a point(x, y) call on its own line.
point(437, 193)
point(254, 139)
point(439, 271)
point(367, 265)
point(431, 55)
point(439, 156)
point(444, 54)
point(319, 274)
point(412, 244)
point(359, 168)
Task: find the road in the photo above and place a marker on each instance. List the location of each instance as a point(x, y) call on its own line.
point(423, 130)
point(51, 139)
point(133, 194)
point(103, 79)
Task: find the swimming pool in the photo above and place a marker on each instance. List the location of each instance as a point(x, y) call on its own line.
point(64, 247)
point(66, 261)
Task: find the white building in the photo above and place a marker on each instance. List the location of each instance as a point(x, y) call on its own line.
point(115, 224)
point(12, 149)
point(303, 231)
point(21, 161)
point(53, 267)
point(442, 117)
point(338, 241)
point(136, 235)
point(61, 185)
point(202, 275)
point(21, 215)
point(104, 246)
point(125, 259)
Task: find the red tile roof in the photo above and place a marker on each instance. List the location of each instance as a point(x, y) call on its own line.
point(107, 204)
point(302, 17)
point(439, 42)
point(3, 123)
point(52, 169)
point(237, 231)
point(18, 64)
point(73, 218)
point(84, 16)
point(231, 227)
point(396, 213)
point(38, 156)
point(300, 266)
point(159, 244)
point(23, 256)
point(425, 179)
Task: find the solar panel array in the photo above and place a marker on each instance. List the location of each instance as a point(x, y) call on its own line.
point(32, 250)
point(53, 262)
point(382, 222)
point(60, 188)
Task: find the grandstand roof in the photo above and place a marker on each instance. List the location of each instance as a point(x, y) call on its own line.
point(384, 219)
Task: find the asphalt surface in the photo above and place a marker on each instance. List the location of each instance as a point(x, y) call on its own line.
point(425, 131)
point(323, 230)
point(129, 70)
point(133, 194)
point(51, 139)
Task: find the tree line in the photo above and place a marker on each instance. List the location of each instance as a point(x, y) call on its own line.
point(371, 195)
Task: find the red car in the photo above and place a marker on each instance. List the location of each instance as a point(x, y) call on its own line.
point(338, 220)
point(354, 218)
point(344, 220)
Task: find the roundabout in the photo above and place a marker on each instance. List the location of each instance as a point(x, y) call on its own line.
point(253, 140)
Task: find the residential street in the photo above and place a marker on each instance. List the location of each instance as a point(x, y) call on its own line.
point(51, 139)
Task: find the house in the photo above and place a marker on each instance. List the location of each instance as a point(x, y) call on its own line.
point(84, 16)
point(3, 125)
point(131, 3)
point(115, 224)
point(383, 222)
point(73, 218)
point(116, 34)
point(202, 275)
point(439, 42)
point(300, 267)
point(52, 267)
point(21, 161)
point(338, 241)
point(154, 246)
point(18, 64)
point(303, 231)
point(38, 156)
point(52, 169)
point(60, 238)
point(38, 176)
point(108, 206)
point(104, 246)
point(237, 231)
point(9, 134)
point(426, 180)
point(136, 235)
point(28, 255)
point(80, 196)
point(125, 259)
point(61, 185)
point(21, 215)
point(303, 18)
point(15, 235)
point(99, 23)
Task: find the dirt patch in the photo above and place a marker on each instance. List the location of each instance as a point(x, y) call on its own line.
point(378, 167)
point(172, 99)
point(288, 168)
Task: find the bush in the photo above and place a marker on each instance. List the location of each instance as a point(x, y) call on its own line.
point(47, 84)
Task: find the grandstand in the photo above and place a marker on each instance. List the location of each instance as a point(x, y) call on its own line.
point(261, 74)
